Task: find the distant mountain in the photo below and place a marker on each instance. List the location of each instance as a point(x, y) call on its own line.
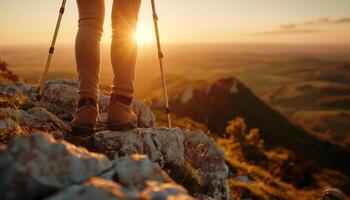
point(226, 99)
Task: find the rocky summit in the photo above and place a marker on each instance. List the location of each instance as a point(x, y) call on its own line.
point(40, 160)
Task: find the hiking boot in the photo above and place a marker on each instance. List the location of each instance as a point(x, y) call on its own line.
point(85, 117)
point(120, 114)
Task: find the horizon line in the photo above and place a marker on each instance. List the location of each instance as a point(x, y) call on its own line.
point(195, 43)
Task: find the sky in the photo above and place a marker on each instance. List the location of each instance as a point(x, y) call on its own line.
point(25, 22)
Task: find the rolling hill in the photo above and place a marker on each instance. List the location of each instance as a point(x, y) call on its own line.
point(214, 105)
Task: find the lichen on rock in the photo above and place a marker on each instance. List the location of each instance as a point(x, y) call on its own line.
point(172, 147)
point(143, 163)
point(37, 164)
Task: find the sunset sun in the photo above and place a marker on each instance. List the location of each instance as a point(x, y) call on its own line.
point(144, 33)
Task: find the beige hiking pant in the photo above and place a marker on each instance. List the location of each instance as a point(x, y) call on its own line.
point(123, 48)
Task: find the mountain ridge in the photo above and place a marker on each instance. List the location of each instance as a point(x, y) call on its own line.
point(229, 98)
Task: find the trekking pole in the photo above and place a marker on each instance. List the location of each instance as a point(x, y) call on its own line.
point(161, 56)
point(51, 51)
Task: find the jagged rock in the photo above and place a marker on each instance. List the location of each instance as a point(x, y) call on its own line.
point(205, 156)
point(152, 186)
point(144, 179)
point(60, 97)
point(135, 171)
point(35, 118)
point(10, 118)
point(175, 147)
point(161, 145)
point(145, 116)
point(103, 102)
point(8, 124)
point(331, 193)
point(94, 188)
point(204, 197)
point(46, 121)
point(164, 192)
point(37, 165)
point(14, 89)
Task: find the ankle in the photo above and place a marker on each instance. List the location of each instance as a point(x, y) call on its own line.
point(116, 98)
point(87, 101)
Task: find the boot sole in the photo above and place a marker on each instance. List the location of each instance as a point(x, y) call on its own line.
point(121, 127)
point(83, 130)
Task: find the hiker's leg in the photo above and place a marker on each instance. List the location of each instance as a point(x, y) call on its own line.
point(123, 55)
point(87, 46)
point(124, 47)
point(87, 52)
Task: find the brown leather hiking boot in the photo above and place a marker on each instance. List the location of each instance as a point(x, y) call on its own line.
point(85, 117)
point(120, 114)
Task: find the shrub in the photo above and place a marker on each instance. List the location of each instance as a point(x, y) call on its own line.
point(247, 146)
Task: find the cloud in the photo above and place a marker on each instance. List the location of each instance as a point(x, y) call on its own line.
point(286, 31)
point(305, 27)
point(343, 20)
point(317, 22)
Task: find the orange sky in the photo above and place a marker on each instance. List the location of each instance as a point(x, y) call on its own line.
point(195, 21)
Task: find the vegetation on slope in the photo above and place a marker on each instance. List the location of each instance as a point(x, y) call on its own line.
point(266, 170)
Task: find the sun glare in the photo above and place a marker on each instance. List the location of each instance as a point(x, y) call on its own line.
point(144, 33)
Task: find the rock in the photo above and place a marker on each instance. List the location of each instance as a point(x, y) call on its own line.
point(46, 121)
point(175, 147)
point(209, 160)
point(14, 89)
point(331, 193)
point(164, 192)
point(103, 102)
point(161, 145)
point(61, 98)
point(35, 118)
point(145, 117)
point(143, 179)
point(204, 197)
point(10, 118)
point(37, 165)
point(99, 188)
point(135, 171)
point(94, 188)
point(8, 124)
